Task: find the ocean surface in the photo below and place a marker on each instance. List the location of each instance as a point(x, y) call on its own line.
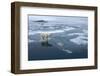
point(67, 38)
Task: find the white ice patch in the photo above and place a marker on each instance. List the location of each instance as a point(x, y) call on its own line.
point(68, 51)
point(76, 34)
point(51, 32)
point(61, 47)
point(79, 40)
point(60, 44)
point(68, 29)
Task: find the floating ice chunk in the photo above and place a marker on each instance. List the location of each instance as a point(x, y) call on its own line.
point(61, 47)
point(79, 40)
point(75, 34)
point(69, 28)
point(68, 51)
point(50, 31)
point(60, 44)
point(83, 37)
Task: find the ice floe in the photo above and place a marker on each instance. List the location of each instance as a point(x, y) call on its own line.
point(68, 51)
point(50, 32)
point(79, 40)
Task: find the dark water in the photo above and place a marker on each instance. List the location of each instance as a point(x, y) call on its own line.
point(39, 52)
